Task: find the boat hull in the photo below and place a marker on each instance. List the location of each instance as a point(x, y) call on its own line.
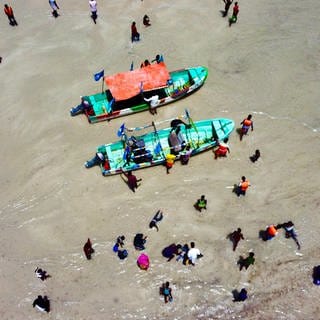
point(200, 136)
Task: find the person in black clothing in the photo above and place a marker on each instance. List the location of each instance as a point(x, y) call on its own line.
point(139, 241)
point(42, 274)
point(42, 303)
point(157, 217)
point(227, 4)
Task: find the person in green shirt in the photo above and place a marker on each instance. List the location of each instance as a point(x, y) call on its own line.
point(247, 261)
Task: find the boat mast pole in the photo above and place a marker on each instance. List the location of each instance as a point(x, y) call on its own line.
point(102, 88)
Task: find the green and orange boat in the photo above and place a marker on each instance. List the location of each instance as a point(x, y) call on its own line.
point(131, 92)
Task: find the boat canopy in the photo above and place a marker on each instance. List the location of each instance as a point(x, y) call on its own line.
point(126, 85)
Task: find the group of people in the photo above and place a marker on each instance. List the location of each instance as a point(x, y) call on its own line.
point(235, 11)
point(42, 303)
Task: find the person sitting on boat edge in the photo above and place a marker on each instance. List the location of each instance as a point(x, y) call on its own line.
point(145, 63)
point(158, 58)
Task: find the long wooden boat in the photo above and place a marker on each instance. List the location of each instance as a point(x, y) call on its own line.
point(127, 91)
point(133, 152)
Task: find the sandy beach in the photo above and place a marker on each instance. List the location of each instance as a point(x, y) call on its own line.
point(266, 64)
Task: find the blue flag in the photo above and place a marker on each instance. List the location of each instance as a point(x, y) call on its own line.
point(131, 66)
point(98, 76)
point(158, 148)
point(121, 130)
point(126, 153)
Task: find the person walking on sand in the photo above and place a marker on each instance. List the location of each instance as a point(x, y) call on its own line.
point(241, 296)
point(88, 250)
point(135, 35)
point(169, 161)
point(245, 263)
point(290, 232)
point(242, 187)
point(54, 6)
point(227, 4)
point(235, 237)
point(157, 218)
point(93, 8)
point(132, 180)
point(166, 292)
point(234, 16)
point(9, 13)
point(246, 125)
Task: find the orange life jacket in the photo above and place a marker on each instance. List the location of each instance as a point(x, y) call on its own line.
point(272, 231)
point(8, 11)
point(245, 185)
point(247, 122)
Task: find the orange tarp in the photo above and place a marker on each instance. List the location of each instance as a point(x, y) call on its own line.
point(127, 84)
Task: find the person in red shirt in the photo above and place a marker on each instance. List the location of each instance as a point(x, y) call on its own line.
point(9, 13)
point(132, 180)
point(235, 12)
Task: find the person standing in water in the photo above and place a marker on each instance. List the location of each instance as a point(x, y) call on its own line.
point(246, 125)
point(9, 13)
point(93, 8)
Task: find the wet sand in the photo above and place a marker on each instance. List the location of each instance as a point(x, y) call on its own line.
point(267, 65)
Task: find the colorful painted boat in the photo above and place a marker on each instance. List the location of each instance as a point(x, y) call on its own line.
point(150, 149)
point(127, 91)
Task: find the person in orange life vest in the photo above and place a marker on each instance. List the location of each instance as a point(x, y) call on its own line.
point(9, 13)
point(242, 186)
point(246, 124)
point(170, 161)
point(135, 35)
point(271, 232)
point(222, 150)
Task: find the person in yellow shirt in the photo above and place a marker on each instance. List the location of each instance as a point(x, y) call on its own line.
point(169, 161)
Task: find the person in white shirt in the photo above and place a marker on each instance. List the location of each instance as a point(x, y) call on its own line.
point(153, 103)
point(93, 9)
point(194, 253)
point(54, 6)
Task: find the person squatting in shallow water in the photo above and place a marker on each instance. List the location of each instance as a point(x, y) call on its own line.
point(88, 250)
point(166, 292)
point(132, 180)
point(42, 274)
point(93, 8)
point(234, 17)
point(246, 125)
point(9, 13)
point(201, 203)
point(42, 304)
point(157, 218)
